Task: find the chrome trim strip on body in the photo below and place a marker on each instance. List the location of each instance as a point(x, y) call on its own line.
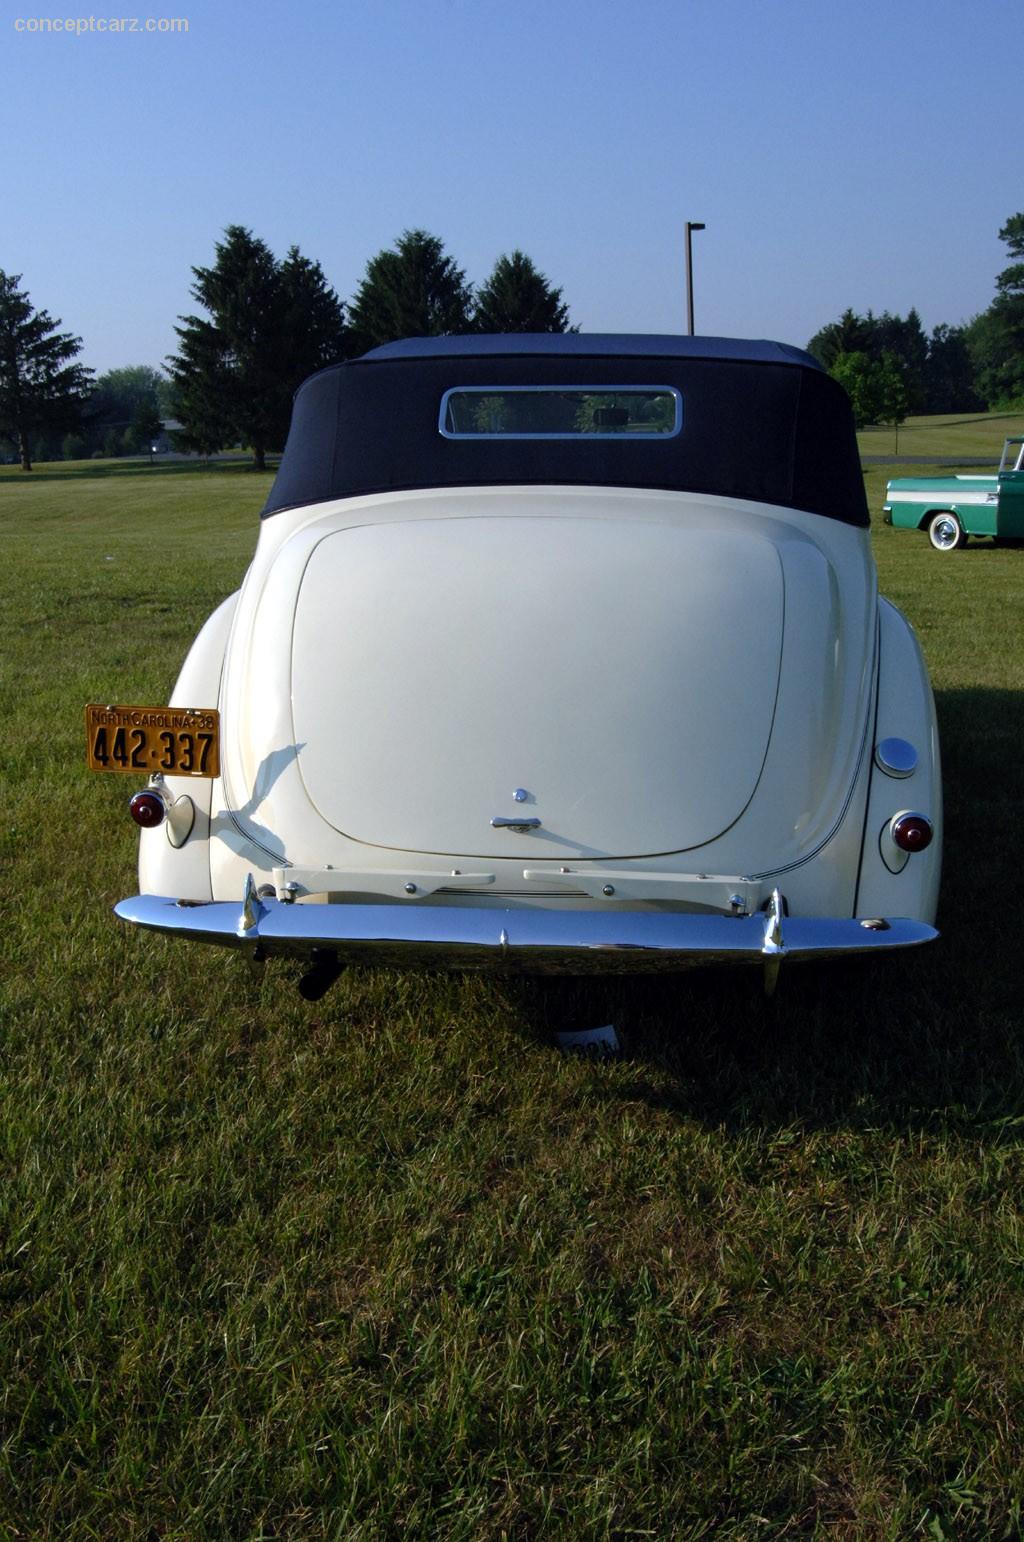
point(939, 497)
point(703, 891)
point(386, 882)
point(541, 941)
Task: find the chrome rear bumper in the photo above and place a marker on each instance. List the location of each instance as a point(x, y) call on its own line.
point(530, 941)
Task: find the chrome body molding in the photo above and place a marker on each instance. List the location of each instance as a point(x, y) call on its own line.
point(531, 941)
point(373, 882)
point(702, 891)
point(944, 497)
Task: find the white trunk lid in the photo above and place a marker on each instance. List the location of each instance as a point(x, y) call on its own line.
point(622, 674)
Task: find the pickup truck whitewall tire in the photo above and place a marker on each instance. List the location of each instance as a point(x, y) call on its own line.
point(945, 531)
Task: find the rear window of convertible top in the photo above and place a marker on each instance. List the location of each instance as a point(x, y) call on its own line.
point(561, 412)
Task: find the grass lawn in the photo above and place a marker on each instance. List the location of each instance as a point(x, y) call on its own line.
point(388, 1265)
point(950, 434)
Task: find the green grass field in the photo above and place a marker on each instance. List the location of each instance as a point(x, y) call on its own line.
point(388, 1266)
point(973, 434)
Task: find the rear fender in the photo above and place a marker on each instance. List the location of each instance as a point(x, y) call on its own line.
point(185, 871)
point(906, 710)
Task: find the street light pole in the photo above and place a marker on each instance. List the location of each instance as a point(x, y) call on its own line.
point(691, 226)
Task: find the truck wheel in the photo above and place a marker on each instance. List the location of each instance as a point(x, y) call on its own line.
point(945, 531)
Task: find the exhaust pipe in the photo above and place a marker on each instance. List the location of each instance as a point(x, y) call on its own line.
point(320, 976)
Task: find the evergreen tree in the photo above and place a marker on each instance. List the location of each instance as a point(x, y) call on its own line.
point(930, 370)
point(1011, 279)
point(41, 390)
point(202, 390)
point(314, 332)
point(903, 340)
point(949, 379)
point(996, 337)
point(518, 298)
point(413, 291)
point(268, 325)
point(995, 340)
point(850, 334)
point(232, 359)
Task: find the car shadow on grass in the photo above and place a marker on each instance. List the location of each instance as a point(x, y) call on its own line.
point(977, 546)
point(927, 1037)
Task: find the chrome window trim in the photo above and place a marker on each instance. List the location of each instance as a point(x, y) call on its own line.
point(585, 390)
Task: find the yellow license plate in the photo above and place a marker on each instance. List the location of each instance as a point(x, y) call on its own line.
point(176, 741)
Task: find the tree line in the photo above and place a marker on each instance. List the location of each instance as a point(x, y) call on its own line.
point(262, 325)
point(891, 368)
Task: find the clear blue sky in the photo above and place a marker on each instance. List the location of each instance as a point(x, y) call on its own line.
point(839, 153)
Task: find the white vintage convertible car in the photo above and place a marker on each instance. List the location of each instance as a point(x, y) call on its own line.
point(559, 653)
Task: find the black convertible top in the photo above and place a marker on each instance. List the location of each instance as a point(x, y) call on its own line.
point(761, 420)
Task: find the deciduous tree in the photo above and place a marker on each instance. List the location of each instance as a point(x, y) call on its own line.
point(126, 400)
point(875, 387)
point(41, 389)
point(144, 427)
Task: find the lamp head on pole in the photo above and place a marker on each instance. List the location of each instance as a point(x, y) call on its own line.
point(691, 226)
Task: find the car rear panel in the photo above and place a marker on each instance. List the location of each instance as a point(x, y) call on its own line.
point(651, 673)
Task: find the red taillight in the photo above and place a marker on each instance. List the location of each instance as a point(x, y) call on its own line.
point(911, 832)
point(147, 809)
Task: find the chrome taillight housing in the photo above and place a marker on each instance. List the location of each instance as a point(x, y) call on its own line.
point(903, 835)
point(911, 832)
point(148, 808)
point(154, 804)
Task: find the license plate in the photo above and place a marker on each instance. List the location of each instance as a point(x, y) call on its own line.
point(176, 741)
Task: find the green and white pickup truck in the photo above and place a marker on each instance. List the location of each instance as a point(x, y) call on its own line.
point(952, 508)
